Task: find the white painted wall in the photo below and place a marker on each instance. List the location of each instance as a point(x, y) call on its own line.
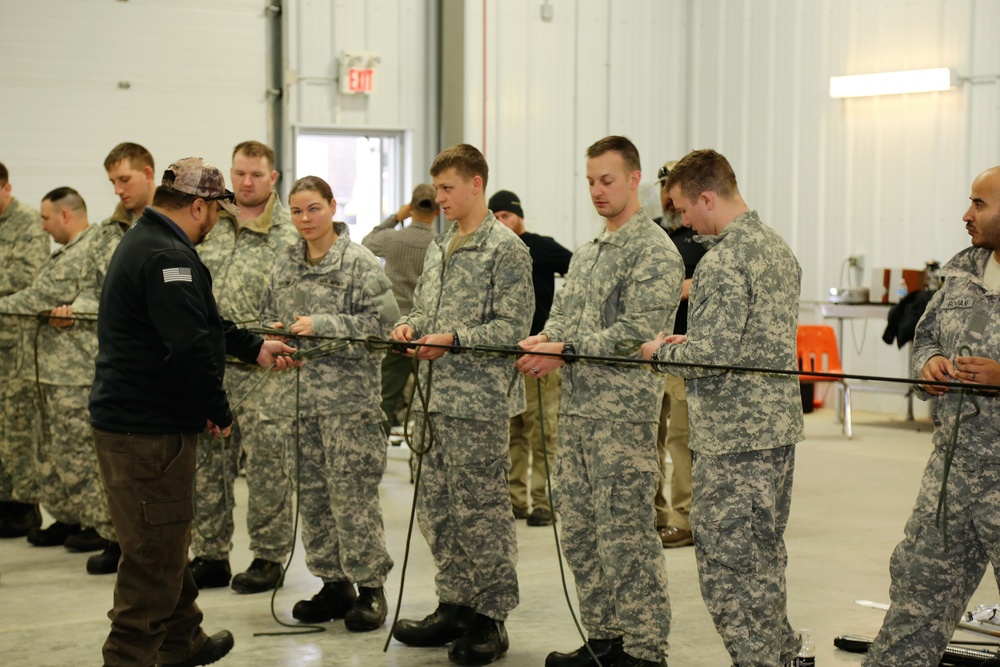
point(196, 76)
point(884, 177)
point(887, 178)
point(403, 33)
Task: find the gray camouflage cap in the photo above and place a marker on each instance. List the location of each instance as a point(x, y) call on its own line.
point(194, 176)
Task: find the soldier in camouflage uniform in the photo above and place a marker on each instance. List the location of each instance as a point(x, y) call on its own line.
point(328, 285)
point(240, 254)
point(24, 246)
point(937, 567)
point(743, 312)
point(61, 360)
point(475, 290)
point(622, 288)
point(131, 171)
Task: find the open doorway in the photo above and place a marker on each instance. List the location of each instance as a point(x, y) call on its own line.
point(363, 167)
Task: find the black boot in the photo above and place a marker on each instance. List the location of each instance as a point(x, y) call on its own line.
point(630, 661)
point(369, 610)
point(606, 650)
point(105, 562)
point(446, 624)
point(485, 642)
point(54, 535)
point(215, 649)
point(19, 519)
point(210, 573)
point(84, 541)
point(334, 600)
point(262, 575)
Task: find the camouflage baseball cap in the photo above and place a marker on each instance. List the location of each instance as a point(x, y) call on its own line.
point(194, 176)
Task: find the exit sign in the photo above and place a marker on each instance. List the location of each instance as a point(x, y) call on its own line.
point(360, 80)
point(357, 72)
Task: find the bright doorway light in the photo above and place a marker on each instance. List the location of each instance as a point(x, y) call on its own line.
point(364, 168)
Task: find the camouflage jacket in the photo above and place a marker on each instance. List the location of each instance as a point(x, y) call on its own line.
point(743, 311)
point(241, 257)
point(346, 295)
point(483, 294)
point(64, 356)
point(106, 238)
point(964, 313)
point(24, 245)
point(622, 288)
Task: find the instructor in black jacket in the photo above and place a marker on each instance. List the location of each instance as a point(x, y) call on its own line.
point(161, 357)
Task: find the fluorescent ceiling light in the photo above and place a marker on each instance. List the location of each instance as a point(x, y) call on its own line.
point(893, 83)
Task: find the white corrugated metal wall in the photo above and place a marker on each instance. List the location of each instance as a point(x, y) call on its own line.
point(551, 88)
point(883, 177)
point(402, 32)
point(887, 178)
point(195, 76)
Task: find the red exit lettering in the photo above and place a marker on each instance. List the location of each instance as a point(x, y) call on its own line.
point(360, 80)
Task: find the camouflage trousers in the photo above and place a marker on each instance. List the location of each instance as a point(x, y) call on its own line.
point(19, 438)
point(269, 487)
point(526, 442)
point(603, 487)
point(463, 509)
point(931, 586)
point(69, 477)
point(738, 518)
point(269, 490)
point(672, 436)
point(341, 462)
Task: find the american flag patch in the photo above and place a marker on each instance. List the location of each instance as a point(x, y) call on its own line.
point(175, 275)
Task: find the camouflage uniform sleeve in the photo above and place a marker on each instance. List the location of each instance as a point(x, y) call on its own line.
point(925, 341)
point(268, 309)
point(555, 326)
point(513, 300)
point(42, 295)
point(719, 307)
point(373, 308)
point(651, 293)
point(24, 258)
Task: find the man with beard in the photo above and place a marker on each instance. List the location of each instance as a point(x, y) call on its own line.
point(158, 383)
point(939, 563)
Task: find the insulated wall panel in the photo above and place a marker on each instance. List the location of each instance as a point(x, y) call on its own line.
point(181, 78)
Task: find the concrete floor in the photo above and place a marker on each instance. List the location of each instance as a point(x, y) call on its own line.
point(850, 502)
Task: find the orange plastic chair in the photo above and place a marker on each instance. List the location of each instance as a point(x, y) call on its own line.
point(817, 351)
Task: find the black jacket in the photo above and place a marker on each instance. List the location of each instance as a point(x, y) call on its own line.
point(547, 259)
point(161, 342)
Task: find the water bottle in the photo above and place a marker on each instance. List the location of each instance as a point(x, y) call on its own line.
point(807, 651)
point(901, 291)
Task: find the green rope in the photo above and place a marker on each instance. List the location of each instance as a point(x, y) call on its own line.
point(298, 628)
point(941, 514)
point(426, 442)
point(555, 529)
point(227, 497)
